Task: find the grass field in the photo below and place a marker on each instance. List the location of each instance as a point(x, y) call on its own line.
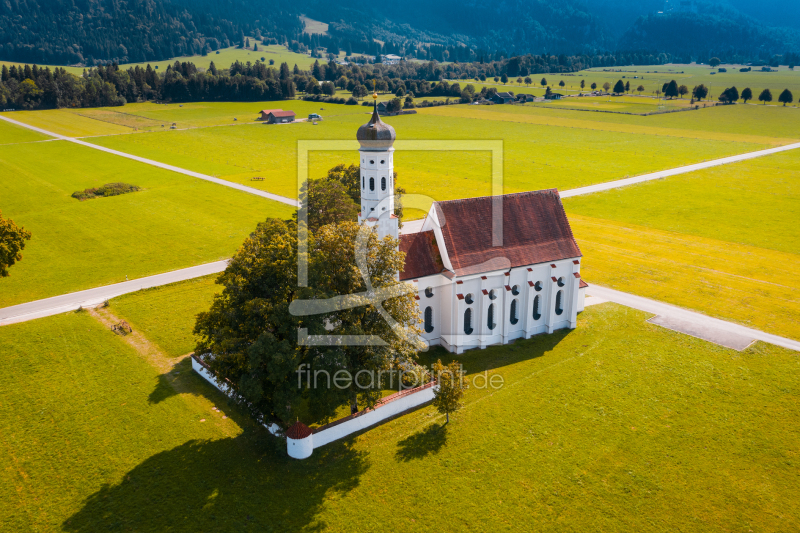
point(691, 75)
point(223, 59)
point(727, 203)
point(617, 425)
point(700, 240)
point(732, 123)
point(175, 222)
point(166, 315)
point(753, 286)
point(535, 155)
point(13, 134)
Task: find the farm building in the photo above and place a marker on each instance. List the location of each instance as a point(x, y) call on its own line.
point(265, 113)
point(503, 98)
point(487, 270)
point(280, 117)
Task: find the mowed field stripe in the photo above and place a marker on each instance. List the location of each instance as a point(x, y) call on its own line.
point(243, 188)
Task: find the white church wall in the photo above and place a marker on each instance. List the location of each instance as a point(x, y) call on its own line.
point(539, 276)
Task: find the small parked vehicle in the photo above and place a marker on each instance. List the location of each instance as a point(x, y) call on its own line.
point(314, 116)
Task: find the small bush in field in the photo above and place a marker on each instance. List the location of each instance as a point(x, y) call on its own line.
point(109, 189)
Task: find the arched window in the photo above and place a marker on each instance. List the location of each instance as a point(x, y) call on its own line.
point(492, 294)
point(382, 161)
point(513, 318)
point(468, 299)
point(537, 314)
point(428, 319)
point(559, 306)
point(560, 282)
point(515, 290)
point(429, 292)
point(383, 184)
point(371, 161)
point(363, 182)
point(372, 184)
point(468, 322)
point(490, 317)
point(537, 286)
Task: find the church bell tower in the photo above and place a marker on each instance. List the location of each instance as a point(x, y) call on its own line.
point(376, 157)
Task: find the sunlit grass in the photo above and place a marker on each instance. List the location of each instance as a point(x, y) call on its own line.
point(617, 425)
point(753, 286)
point(176, 221)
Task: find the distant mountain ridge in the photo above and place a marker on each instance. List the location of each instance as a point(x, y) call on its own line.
point(96, 31)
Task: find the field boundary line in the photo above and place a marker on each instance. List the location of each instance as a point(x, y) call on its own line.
point(589, 189)
point(218, 181)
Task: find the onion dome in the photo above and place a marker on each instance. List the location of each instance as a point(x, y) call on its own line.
point(298, 431)
point(376, 135)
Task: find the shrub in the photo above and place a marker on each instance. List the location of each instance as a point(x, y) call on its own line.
point(109, 189)
point(351, 101)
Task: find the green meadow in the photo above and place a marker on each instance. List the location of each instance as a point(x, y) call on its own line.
point(166, 314)
point(617, 425)
point(175, 222)
point(754, 124)
point(722, 240)
point(754, 202)
point(536, 156)
point(224, 58)
point(13, 134)
point(654, 76)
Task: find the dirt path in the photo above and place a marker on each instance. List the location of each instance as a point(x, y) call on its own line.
point(150, 352)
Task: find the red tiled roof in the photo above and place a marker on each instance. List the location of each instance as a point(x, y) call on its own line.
point(582, 284)
point(422, 255)
point(281, 114)
point(298, 431)
point(535, 230)
point(268, 111)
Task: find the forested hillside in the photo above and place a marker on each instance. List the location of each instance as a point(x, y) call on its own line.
point(91, 32)
point(66, 32)
point(728, 35)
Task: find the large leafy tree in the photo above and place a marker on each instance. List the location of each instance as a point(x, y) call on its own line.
point(672, 89)
point(619, 87)
point(250, 335)
point(747, 94)
point(700, 91)
point(327, 201)
point(786, 97)
point(12, 242)
point(765, 96)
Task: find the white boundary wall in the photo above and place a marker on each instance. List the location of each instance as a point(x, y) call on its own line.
point(203, 371)
point(373, 416)
point(355, 424)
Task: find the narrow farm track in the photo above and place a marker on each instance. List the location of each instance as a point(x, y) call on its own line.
point(243, 188)
point(148, 351)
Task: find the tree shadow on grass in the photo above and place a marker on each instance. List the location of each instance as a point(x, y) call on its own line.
point(237, 484)
point(420, 445)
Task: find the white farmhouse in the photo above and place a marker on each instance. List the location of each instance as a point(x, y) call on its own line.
point(488, 270)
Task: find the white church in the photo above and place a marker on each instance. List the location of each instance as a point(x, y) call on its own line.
point(488, 270)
